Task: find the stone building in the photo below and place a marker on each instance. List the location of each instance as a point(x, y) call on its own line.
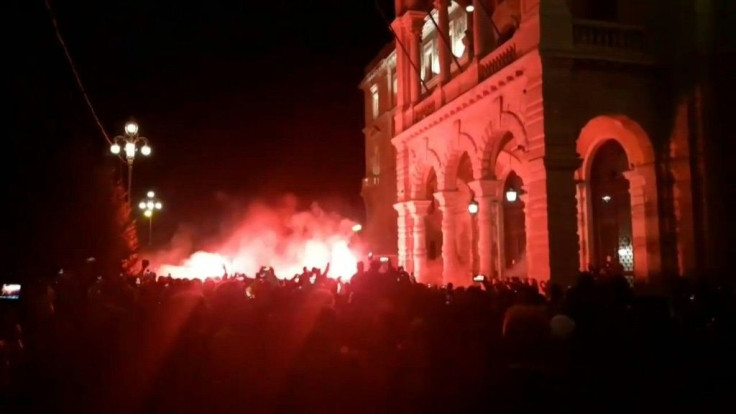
point(577, 128)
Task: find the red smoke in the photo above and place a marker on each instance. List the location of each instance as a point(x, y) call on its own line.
point(282, 237)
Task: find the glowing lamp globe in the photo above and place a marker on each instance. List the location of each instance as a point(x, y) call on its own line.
point(473, 207)
point(606, 198)
point(115, 149)
point(131, 128)
point(159, 206)
point(511, 195)
point(357, 228)
point(146, 150)
point(469, 8)
point(148, 213)
point(129, 150)
point(150, 194)
point(150, 205)
point(142, 205)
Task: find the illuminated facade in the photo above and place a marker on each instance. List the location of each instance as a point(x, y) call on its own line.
point(563, 121)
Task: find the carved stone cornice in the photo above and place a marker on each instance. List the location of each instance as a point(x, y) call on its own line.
point(491, 86)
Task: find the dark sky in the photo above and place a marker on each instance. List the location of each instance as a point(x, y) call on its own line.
point(251, 98)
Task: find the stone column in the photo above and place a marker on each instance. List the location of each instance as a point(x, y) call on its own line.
point(468, 41)
point(408, 29)
point(584, 214)
point(443, 43)
point(535, 219)
point(418, 210)
point(644, 221)
point(414, 26)
point(403, 229)
point(561, 206)
point(485, 192)
point(483, 37)
point(500, 252)
point(682, 194)
point(448, 205)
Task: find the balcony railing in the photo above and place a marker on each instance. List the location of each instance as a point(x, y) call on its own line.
point(424, 108)
point(607, 37)
point(487, 67)
point(497, 60)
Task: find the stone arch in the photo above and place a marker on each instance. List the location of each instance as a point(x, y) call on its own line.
point(510, 159)
point(422, 171)
point(453, 165)
point(642, 178)
point(628, 133)
point(509, 133)
point(465, 145)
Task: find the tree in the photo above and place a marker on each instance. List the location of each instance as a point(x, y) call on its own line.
point(126, 248)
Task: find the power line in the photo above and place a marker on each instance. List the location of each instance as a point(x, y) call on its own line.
point(75, 72)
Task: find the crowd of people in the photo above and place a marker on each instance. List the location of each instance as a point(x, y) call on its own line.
point(380, 342)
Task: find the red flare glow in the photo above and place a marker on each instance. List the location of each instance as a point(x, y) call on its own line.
point(281, 237)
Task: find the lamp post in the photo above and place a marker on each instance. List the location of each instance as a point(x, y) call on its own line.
point(473, 208)
point(130, 144)
point(150, 205)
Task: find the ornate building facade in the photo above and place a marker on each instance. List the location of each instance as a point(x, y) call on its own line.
point(537, 138)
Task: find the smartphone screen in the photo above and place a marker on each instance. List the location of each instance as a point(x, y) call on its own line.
point(10, 291)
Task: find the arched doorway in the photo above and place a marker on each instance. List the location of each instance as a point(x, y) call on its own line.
point(514, 227)
point(611, 208)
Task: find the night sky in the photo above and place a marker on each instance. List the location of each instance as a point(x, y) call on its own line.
point(244, 98)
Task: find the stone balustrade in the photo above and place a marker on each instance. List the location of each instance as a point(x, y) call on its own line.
point(607, 37)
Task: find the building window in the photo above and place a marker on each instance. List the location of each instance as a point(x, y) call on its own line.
point(375, 162)
point(430, 61)
point(458, 26)
point(375, 100)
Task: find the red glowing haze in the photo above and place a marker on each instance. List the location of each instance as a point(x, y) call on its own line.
point(282, 237)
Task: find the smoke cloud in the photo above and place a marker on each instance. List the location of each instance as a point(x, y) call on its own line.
point(280, 235)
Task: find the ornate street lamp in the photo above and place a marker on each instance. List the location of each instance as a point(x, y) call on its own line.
point(130, 144)
point(150, 205)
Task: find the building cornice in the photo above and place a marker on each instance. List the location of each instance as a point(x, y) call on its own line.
point(492, 86)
